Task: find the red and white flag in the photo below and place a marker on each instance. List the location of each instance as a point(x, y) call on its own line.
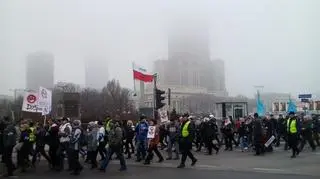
point(140, 73)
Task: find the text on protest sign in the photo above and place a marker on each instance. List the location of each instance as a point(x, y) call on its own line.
point(163, 115)
point(30, 102)
point(151, 132)
point(45, 100)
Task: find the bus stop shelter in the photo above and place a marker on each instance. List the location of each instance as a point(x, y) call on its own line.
point(234, 109)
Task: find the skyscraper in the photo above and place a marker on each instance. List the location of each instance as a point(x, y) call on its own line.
point(96, 72)
point(219, 75)
point(189, 54)
point(189, 40)
point(40, 70)
point(189, 64)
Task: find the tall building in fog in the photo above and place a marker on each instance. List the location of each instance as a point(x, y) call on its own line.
point(189, 71)
point(189, 55)
point(189, 63)
point(40, 70)
point(189, 40)
point(96, 72)
point(219, 78)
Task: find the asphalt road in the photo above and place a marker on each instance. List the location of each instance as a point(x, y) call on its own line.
point(140, 172)
point(236, 162)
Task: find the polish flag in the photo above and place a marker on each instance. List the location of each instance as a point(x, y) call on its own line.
point(140, 73)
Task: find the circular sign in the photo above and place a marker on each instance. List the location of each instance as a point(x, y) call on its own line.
point(31, 98)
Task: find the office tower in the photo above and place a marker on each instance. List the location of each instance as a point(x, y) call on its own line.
point(96, 72)
point(40, 70)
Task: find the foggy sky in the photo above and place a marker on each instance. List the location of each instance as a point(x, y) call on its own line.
point(274, 43)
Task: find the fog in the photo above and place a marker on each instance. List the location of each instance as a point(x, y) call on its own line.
point(274, 43)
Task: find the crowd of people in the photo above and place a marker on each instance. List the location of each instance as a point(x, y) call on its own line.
point(70, 139)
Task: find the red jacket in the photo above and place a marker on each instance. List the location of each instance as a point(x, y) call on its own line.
point(155, 141)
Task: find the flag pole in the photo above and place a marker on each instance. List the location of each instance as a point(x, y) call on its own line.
point(258, 102)
point(289, 103)
point(134, 84)
point(45, 120)
point(154, 95)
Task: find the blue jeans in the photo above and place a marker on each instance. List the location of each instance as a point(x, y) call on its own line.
point(173, 143)
point(111, 151)
point(141, 149)
point(244, 142)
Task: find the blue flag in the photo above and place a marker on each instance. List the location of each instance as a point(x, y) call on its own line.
point(260, 106)
point(292, 106)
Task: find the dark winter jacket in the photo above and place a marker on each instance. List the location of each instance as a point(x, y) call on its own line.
point(9, 136)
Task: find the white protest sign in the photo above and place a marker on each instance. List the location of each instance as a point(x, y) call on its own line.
point(30, 102)
point(45, 100)
point(151, 132)
point(163, 115)
point(270, 141)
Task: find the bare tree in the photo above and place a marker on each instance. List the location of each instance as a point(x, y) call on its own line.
point(68, 87)
point(91, 104)
point(116, 98)
point(113, 90)
point(9, 106)
point(5, 107)
point(94, 105)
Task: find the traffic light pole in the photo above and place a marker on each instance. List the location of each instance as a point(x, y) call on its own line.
point(169, 103)
point(154, 95)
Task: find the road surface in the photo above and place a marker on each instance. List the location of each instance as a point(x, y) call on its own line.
point(140, 172)
point(224, 165)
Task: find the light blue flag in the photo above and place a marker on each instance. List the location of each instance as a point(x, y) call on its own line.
point(292, 106)
point(260, 106)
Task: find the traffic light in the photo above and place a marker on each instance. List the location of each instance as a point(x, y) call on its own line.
point(159, 98)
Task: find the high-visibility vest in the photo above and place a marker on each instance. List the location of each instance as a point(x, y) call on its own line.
point(108, 125)
point(292, 126)
point(32, 136)
point(185, 131)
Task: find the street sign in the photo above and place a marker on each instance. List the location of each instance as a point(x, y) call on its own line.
point(305, 96)
point(304, 100)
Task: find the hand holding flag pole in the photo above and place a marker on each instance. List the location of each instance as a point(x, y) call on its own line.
point(291, 106)
point(259, 103)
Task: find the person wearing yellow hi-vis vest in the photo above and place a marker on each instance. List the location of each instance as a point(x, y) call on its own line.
point(187, 132)
point(32, 135)
point(293, 133)
point(107, 123)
